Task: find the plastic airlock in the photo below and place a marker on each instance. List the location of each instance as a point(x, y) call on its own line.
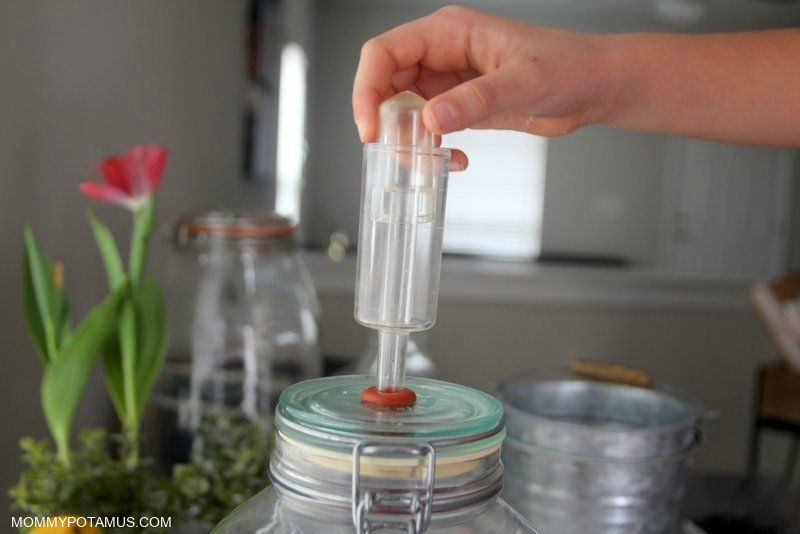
point(400, 239)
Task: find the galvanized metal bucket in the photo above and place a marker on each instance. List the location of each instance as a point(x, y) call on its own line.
point(589, 457)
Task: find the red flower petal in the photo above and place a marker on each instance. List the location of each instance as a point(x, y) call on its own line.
point(130, 178)
point(106, 193)
point(145, 167)
point(115, 174)
point(156, 162)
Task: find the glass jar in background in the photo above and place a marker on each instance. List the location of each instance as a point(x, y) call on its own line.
point(243, 317)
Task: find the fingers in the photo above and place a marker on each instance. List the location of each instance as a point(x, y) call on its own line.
point(382, 68)
point(476, 100)
point(383, 62)
point(372, 82)
point(432, 83)
point(458, 160)
point(403, 79)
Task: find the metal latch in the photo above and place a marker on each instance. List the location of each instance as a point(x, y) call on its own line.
point(404, 509)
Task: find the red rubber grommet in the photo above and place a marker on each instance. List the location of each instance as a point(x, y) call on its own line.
point(390, 399)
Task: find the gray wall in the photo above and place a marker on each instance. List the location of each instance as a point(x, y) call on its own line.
point(87, 78)
point(81, 80)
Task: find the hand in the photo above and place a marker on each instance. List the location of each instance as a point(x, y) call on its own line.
point(483, 71)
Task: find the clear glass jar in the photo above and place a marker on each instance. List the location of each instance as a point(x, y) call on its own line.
point(342, 466)
point(243, 317)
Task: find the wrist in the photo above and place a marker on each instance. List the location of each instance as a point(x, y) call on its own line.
point(617, 78)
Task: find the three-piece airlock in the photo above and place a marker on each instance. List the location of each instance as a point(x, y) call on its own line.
point(400, 238)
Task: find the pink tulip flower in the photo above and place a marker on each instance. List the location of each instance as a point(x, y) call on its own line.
point(130, 179)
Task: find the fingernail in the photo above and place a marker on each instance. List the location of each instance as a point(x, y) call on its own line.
point(457, 165)
point(445, 115)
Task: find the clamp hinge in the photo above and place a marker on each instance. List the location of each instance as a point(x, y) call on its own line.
point(408, 509)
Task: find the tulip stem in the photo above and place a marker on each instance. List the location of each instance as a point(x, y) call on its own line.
point(143, 224)
point(132, 457)
point(128, 353)
point(64, 455)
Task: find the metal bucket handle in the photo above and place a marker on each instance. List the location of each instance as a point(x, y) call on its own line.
point(611, 372)
point(625, 375)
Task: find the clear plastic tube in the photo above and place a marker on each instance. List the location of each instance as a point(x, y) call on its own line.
point(392, 347)
point(400, 234)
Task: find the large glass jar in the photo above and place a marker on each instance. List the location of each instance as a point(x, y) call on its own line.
point(243, 318)
point(342, 466)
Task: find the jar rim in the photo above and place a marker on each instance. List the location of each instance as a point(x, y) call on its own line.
point(230, 224)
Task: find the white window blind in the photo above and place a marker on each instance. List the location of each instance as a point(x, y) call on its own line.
point(494, 208)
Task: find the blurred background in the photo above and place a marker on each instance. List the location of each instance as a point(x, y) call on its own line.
point(608, 244)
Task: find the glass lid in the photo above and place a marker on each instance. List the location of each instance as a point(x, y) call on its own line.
point(442, 410)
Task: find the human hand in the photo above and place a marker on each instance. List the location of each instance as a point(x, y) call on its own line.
point(482, 71)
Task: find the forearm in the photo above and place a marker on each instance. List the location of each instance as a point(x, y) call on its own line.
point(741, 87)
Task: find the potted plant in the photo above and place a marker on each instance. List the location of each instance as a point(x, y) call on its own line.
point(105, 484)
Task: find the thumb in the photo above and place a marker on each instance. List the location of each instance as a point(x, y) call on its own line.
point(475, 100)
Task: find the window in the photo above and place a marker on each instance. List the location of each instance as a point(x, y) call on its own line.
point(291, 132)
point(494, 208)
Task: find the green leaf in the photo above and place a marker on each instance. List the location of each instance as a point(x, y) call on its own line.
point(35, 325)
point(126, 332)
point(108, 250)
point(63, 328)
point(113, 373)
point(40, 271)
point(65, 379)
point(148, 346)
point(151, 332)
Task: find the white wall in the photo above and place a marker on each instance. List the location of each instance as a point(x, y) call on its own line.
point(80, 80)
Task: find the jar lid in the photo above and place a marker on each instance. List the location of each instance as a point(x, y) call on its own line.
point(231, 224)
point(329, 411)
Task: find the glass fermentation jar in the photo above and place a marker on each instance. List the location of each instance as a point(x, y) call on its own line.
point(243, 317)
point(343, 466)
